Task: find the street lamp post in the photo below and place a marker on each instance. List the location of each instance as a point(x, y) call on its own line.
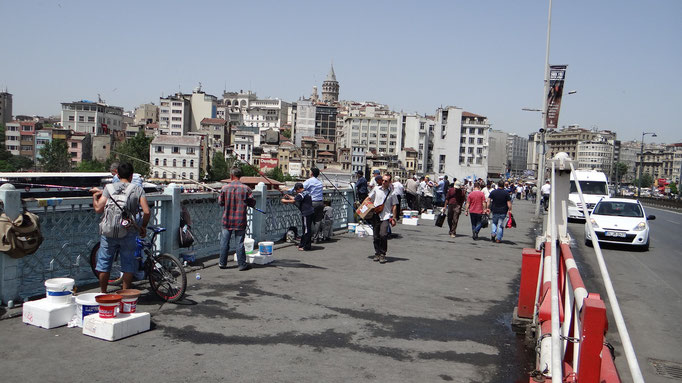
point(641, 163)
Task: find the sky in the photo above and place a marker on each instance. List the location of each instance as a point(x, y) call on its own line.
point(486, 57)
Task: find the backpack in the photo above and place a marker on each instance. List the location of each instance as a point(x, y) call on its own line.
point(20, 237)
point(117, 219)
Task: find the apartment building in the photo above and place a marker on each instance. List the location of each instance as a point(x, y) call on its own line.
point(498, 159)
point(245, 108)
point(5, 107)
point(146, 114)
point(596, 154)
point(91, 117)
point(79, 146)
point(416, 133)
point(175, 158)
point(175, 115)
point(460, 144)
point(517, 153)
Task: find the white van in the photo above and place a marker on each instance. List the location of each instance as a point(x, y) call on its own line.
point(594, 186)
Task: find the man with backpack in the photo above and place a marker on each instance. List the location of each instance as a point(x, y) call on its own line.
point(119, 202)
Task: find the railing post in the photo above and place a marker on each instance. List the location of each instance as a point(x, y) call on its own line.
point(530, 263)
point(593, 319)
point(9, 271)
point(258, 219)
point(170, 219)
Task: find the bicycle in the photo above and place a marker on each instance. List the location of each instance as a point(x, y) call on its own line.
point(165, 273)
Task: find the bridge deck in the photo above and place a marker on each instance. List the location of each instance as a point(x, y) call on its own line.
point(440, 309)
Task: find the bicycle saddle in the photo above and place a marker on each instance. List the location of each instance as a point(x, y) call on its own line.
point(156, 229)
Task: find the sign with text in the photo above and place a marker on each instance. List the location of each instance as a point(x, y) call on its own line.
point(267, 164)
point(295, 169)
point(557, 74)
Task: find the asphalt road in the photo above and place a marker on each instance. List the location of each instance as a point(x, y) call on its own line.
point(648, 287)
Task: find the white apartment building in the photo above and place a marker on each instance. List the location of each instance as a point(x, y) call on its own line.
point(175, 115)
point(175, 158)
point(595, 155)
point(372, 131)
point(243, 145)
point(91, 117)
point(416, 132)
point(146, 114)
point(304, 125)
point(13, 137)
point(358, 158)
point(252, 111)
point(460, 144)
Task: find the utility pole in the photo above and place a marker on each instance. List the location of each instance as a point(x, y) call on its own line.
point(543, 131)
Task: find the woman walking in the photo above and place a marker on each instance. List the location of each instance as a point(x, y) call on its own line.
point(454, 200)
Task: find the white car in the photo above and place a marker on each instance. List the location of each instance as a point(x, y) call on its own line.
point(619, 220)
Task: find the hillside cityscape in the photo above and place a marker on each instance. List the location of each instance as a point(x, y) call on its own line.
point(195, 137)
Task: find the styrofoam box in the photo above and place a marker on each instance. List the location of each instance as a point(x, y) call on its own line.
point(411, 221)
point(259, 259)
point(122, 326)
point(365, 229)
point(45, 314)
point(428, 216)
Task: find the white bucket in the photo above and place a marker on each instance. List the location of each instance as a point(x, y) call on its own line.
point(407, 213)
point(58, 290)
point(248, 245)
point(86, 305)
point(265, 248)
point(351, 227)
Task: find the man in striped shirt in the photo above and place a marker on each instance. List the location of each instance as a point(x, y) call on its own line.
point(235, 197)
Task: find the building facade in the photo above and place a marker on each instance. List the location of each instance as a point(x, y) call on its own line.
point(174, 158)
point(460, 147)
point(330, 88)
point(498, 159)
point(596, 154)
point(91, 117)
point(175, 115)
point(5, 107)
point(517, 153)
point(146, 114)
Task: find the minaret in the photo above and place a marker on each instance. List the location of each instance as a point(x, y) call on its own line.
point(330, 88)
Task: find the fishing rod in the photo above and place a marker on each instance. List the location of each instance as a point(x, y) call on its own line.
point(214, 190)
point(47, 185)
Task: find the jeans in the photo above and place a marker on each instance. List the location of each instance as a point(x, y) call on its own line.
point(240, 253)
point(498, 225)
point(476, 222)
point(126, 247)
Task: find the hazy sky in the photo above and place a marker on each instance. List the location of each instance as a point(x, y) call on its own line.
point(487, 57)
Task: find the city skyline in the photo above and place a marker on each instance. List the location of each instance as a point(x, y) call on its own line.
point(415, 58)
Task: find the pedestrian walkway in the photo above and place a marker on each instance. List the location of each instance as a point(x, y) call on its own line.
point(438, 310)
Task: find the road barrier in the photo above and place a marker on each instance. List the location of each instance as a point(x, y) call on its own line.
point(566, 323)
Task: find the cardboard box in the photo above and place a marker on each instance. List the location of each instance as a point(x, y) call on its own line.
point(411, 221)
point(122, 326)
point(46, 314)
point(428, 216)
point(366, 209)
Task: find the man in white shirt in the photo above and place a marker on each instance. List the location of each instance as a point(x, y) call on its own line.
point(383, 195)
point(545, 190)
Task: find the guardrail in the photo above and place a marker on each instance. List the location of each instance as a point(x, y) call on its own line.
point(70, 230)
point(675, 204)
point(567, 323)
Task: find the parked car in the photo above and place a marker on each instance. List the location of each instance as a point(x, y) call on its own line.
point(618, 220)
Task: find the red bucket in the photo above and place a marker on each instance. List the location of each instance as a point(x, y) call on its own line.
point(108, 304)
point(129, 301)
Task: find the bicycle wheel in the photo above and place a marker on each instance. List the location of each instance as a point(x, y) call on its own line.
point(167, 277)
point(116, 275)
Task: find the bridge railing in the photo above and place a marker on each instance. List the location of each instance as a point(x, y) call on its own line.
point(70, 230)
point(568, 323)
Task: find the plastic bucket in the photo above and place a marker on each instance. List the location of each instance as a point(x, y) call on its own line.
point(129, 300)
point(248, 245)
point(86, 305)
point(58, 290)
point(108, 304)
point(407, 213)
point(352, 227)
point(414, 214)
point(265, 248)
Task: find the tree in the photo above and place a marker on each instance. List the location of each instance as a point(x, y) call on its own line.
point(620, 170)
point(277, 174)
point(55, 156)
point(286, 133)
point(136, 151)
point(20, 163)
point(91, 166)
point(646, 181)
point(673, 188)
point(219, 170)
point(248, 170)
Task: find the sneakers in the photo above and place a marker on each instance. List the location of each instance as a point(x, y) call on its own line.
point(244, 267)
point(382, 259)
point(222, 267)
point(475, 235)
point(376, 258)
point(492, 236)
point(452, 236)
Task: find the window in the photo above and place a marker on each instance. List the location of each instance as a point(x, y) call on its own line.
point(480, 131)
point(191, 176)
point(480, 141)
point(175, 176)
point(74, 145)
point(71, 118)
point(164, 164)
point(191, 163)
point(91, 118)
point(174, 162)
point(164, 174)
point(156, 162)
point(176, 149)
point(156, 174)
point(159, 149)
point(81, 118)
point(472, 130)
point(177, 111)
point(190, 150)
point(471, 140)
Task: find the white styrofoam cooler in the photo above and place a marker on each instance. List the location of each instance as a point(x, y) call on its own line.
point(259, 259)
point(43, 313)
point(119, 327)
point(428, 216)
point(411, 221)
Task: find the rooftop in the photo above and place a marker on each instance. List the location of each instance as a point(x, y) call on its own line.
point(213, 121)
point(177, 140)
